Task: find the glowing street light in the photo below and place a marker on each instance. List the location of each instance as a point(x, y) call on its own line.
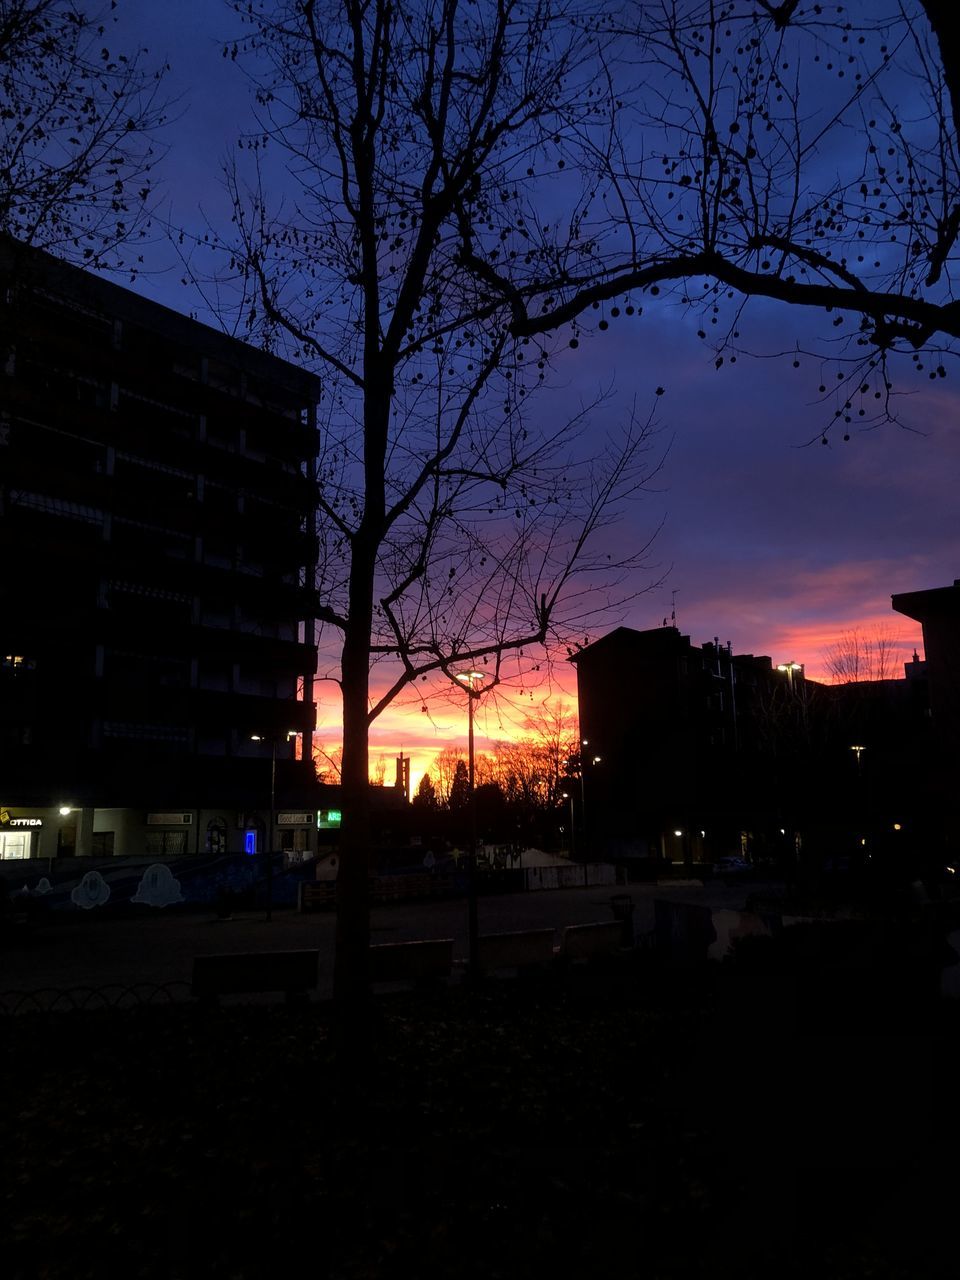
point(567, 795)
point(790, 669)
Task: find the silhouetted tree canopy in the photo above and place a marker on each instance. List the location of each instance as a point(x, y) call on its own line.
point(77, 131)
point(479, 187)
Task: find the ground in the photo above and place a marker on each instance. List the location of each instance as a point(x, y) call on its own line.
point(627, 1121)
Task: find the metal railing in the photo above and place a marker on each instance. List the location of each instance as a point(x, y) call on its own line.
point(112, 996)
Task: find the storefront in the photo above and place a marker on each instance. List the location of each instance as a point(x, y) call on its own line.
point(294, 832)
point(19, 835)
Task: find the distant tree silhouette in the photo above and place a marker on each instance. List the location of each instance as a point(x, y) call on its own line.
point(460, 790)
point(859, 655)
point(426, 795)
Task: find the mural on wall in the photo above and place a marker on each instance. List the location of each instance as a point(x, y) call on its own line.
point(158, 887)
point(119, 881)
point(92, 891)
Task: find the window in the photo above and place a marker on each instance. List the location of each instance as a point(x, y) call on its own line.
point(159, 843)
point(61, 507)
point(101, 846)
point(18, 662)
point(14, 844)
point(219, 552)
point(214, 675)
point(294, 840)
point(163, 733)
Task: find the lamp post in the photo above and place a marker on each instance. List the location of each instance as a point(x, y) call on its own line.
point(789, 669)
point(858, 749)
point(259, 737)
point(469, 679)
point(567, 795)
point(594, 760)
point(65, 811)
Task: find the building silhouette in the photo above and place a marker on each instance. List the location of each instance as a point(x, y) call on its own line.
point(157, 536)
point(696, 752)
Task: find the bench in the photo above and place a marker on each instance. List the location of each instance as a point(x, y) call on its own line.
point(292, 972)
point(428, 961)
point(591, 941)
point(312, 894)
point(522, 950)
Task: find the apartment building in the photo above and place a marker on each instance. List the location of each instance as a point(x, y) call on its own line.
point(696, 752)
point(157, 568)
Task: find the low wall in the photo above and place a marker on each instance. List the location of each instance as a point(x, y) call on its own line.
point(570, 877)
point(91, 884)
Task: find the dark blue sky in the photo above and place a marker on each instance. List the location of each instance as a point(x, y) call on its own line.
point(769, 541)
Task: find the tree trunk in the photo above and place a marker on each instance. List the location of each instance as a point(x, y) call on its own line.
point(350, 978)
point(351, 982)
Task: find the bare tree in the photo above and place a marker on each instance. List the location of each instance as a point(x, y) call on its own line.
point(479, 185)
point(805, 154)
point(457, 528)
point(327, 764)
point(443, 769)
point(77, 127)
point(860, 656)
point(531, 769)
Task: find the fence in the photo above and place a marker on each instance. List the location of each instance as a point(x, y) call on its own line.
point(583, 876)
point(113, 996)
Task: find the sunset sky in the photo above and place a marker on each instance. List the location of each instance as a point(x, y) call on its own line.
point(770, 540)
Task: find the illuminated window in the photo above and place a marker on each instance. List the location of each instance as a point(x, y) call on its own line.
point(18, 662)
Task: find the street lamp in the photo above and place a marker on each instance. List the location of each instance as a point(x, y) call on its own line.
point(65, 811)
point(470, 679)
point(567, 795)
point(259, 737)
point(789, 669)
point(594, 760)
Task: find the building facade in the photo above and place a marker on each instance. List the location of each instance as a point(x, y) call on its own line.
point(158, 552)
point(696, 752)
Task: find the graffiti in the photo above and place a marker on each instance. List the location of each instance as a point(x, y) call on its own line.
point(92, 891)
point(158, 887)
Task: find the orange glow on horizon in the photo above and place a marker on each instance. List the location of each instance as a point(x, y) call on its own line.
point(403, 727)
point(810, 643)
point(421, 734)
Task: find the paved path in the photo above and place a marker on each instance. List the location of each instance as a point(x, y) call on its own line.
point(72, 951)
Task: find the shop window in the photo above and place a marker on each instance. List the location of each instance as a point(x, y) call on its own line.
point(14, 844)
point(160, 843)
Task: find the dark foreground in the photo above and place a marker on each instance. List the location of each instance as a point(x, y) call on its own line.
point(622, 1123)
